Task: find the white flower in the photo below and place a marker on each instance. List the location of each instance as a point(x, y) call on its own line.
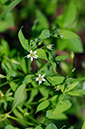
point(50, 46)
point(40, 78)
point(32, 55)
point(61, 36)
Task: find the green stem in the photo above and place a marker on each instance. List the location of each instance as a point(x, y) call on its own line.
point(3, 84)
point(45, 64)
point(20, 120)
point(28, 116)
point(10, 7)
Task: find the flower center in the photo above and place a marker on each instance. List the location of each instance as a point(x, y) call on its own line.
point(40, 78)
point(31, 54)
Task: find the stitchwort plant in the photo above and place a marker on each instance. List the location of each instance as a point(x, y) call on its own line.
point(39, 88)
point(42, 96)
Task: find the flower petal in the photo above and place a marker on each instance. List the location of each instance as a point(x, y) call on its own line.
point(39, 75)
point(35, 56)
point(43, 79)
point(31, 51)
point(34, 52)
point(37, 78)
point(40, 82)
point(43, 75)
point(28, 56)
point(31, 58)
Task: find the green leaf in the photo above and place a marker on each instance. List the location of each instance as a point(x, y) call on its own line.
point(10, 7)
point(10, 127)
point(19, 96)
point(63, 106)
point(83, 127)
point(60, 116)
point(23, 41)
point(51, 126)
point(55, 80)
point(40, 19)
point(42, 105)
point(27, 79)
point(41, 54)
point(34, 92)
point(22, 64)
point(68, 34)
point(54, 66)
point(44, 34)
point(13, 85)
point(78, 92)
point(44, 91)
point(71, 86)
point(38, 127)
point(71, 44)
point(69, 16)
point(61, 58)
point(2, 76)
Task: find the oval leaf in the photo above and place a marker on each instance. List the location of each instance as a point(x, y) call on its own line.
point(41, 54)
point(65, 105)
point(55, 80)
point(68, 34)
point(78, 92)
point(51, 126)
point(60, 116)
point(42, 105)
point(71, 86)
point(44, 34)
point(10, 127)
point(61, 58)
point(38, 127)
point(23, 41)
point(27, 79)
point(19, 96)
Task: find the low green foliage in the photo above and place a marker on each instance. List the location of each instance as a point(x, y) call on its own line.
point(38, 87)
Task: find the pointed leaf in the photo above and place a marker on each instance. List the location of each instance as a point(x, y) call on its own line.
point(55, 80)
point(38, 127)
point(78, 92)
point(61, 58)
point(59, 116)
point(51, 126)
point(10, 127)
point(65, 105)
point(42, 105)
point(41, 54)
point(23, 41)
point(44, 34)
point(71, 86)
point(27, 79)
point(19, 96)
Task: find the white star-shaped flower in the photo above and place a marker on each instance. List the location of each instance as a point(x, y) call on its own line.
point(50, 46)
point(40, 78)
point(32, 55)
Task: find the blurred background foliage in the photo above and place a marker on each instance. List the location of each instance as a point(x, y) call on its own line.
point(34, 16)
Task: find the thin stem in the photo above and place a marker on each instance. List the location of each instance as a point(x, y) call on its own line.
point(45, 64)
point(20, 120)
point(10, 7)
point(3, 84)
point(28, 116)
